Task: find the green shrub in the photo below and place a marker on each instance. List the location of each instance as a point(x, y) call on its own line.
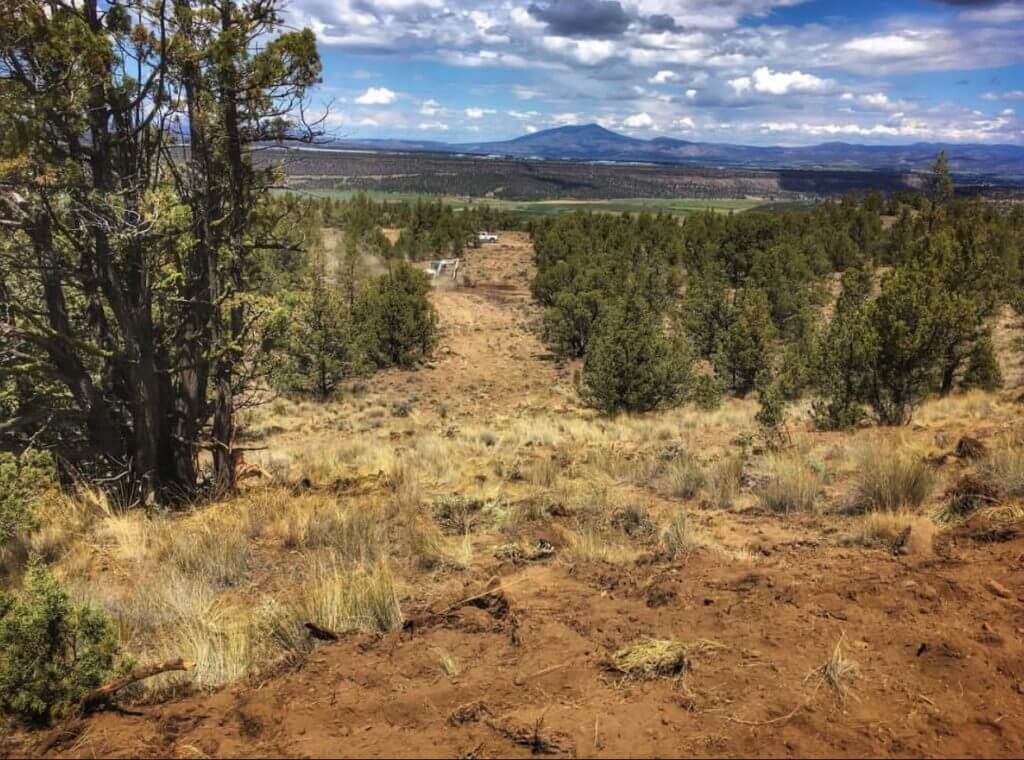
point(320, 346)
point(632, 364)
point(706, 391)
point(394, 318)
point(52, 653)
point(983, 367)
point(22, 479)
point(771, 417)
point(845, 351)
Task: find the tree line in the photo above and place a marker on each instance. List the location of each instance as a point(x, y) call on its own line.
point(867, 305)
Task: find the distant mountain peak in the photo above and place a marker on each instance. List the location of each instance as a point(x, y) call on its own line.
point(575, 132)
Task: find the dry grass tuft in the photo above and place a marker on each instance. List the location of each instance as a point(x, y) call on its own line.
point(880, 529)
point(677, 538)
point(1003, 468)
point(792, 485)
point(431, 550)
point(342, 599)
point(220, 557)
point(590, 544)
point(684, 478)
point(725, 478)
point(657, 658)
point(891, 479)
point(838, 671)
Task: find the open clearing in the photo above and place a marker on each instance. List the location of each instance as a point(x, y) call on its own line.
point(554, 562)
point(677, 206)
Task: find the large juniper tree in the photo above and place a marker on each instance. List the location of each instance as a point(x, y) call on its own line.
point(128, 199)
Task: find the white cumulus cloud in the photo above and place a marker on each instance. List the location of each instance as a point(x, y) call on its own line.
point(768, 82)
point(664, 77)
point(377, 96)
point(638, 121)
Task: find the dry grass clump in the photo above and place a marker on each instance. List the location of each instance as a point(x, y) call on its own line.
point(457, 514)
point(635, 521)
point(684, 477)
point(838, 671)
point(725, 478)
point(215, 554)
point(222, 651)
point(590, 544)
point(431, 550)
point(336, 597)
point(544, 472)
point(449, 663)
point(657, 658)
point(792, 485)
point(355, 534)
point(677, 537)
point(890, 479)
point(1003, 468)
point(879, 529)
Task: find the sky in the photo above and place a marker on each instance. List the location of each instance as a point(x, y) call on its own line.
point(779, 72)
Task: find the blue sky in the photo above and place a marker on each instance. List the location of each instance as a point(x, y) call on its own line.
point(752, 71)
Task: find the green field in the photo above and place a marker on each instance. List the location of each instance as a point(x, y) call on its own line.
point(680, 206)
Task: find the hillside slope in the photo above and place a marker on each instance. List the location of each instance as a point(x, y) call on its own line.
point(508, 655)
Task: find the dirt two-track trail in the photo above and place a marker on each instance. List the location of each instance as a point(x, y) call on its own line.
point(939, 656)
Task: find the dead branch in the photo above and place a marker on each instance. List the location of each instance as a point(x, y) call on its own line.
point(138, 674)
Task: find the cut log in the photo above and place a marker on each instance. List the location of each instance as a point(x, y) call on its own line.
point(138, 674)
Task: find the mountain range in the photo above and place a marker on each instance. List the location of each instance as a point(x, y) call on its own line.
point(592, 142)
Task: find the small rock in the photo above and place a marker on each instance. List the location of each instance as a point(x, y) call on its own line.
point(998, 589)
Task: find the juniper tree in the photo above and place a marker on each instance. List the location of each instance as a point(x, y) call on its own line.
point(128, 198)
point(632, 363)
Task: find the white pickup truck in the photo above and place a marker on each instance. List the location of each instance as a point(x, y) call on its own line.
point(487, 237)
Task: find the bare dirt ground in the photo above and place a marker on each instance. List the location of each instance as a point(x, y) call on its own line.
point(937, 647)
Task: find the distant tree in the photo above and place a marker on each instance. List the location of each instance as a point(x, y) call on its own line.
point(396, 322)
point(632, 364)
point(706, 312)
point(321, 347)
point(983, 369)
point(940, 182)
point(910, 320)
point(749, 340)
point(844, 358)
point(567, 324)
point(771, 416)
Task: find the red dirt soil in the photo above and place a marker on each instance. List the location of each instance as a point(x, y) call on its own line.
point(941, 668)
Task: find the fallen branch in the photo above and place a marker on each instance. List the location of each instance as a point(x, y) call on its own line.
point(138, 674)
point(322, 634)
